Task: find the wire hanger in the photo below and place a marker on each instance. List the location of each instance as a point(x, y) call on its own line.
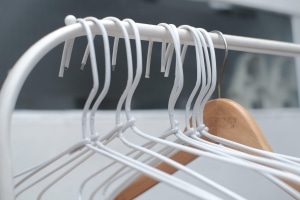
point(136, 80)
point(128, 103)
point(144, 168)
point(110, 136)
point(181, 167)
point(136, 164)
point(129, 117)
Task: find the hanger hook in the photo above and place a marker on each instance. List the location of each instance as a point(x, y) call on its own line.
point(224, 61)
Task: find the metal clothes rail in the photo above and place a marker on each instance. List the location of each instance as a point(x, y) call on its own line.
point(20, 71)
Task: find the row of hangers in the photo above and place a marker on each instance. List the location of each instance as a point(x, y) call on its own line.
point(219, 129)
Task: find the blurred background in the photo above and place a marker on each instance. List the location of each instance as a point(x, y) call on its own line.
point(262, 83)
point(254, 80)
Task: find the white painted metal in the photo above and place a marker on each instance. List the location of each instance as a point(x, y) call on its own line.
point(18, 74)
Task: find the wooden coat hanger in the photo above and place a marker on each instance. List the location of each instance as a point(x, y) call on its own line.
point(224, 118)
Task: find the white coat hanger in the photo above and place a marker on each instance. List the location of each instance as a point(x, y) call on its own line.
point(100, 97)
point(121, 134)
point(116, 41)
point(198, 193)
point(171, 162)
point(128, 115)
point(209, 86)
point(128, 103)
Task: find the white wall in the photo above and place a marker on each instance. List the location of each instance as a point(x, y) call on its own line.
point(37, 135)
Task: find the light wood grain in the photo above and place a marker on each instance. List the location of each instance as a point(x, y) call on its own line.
point(227, 119)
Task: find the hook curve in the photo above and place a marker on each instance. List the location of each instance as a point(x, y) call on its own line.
point(224, 61)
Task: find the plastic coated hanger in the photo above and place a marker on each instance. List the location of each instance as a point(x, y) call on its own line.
point(109, 137)
point(135, 83)
point(138, 165)
point(121, 133)
point(195, 174)
point(133, 163)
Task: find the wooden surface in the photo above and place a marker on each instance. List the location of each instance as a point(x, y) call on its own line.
point(224, 118)
point(227, 119)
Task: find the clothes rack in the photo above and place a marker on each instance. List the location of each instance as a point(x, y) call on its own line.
point(20, 71)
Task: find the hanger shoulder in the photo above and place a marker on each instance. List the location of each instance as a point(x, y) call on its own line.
point(227, 119)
